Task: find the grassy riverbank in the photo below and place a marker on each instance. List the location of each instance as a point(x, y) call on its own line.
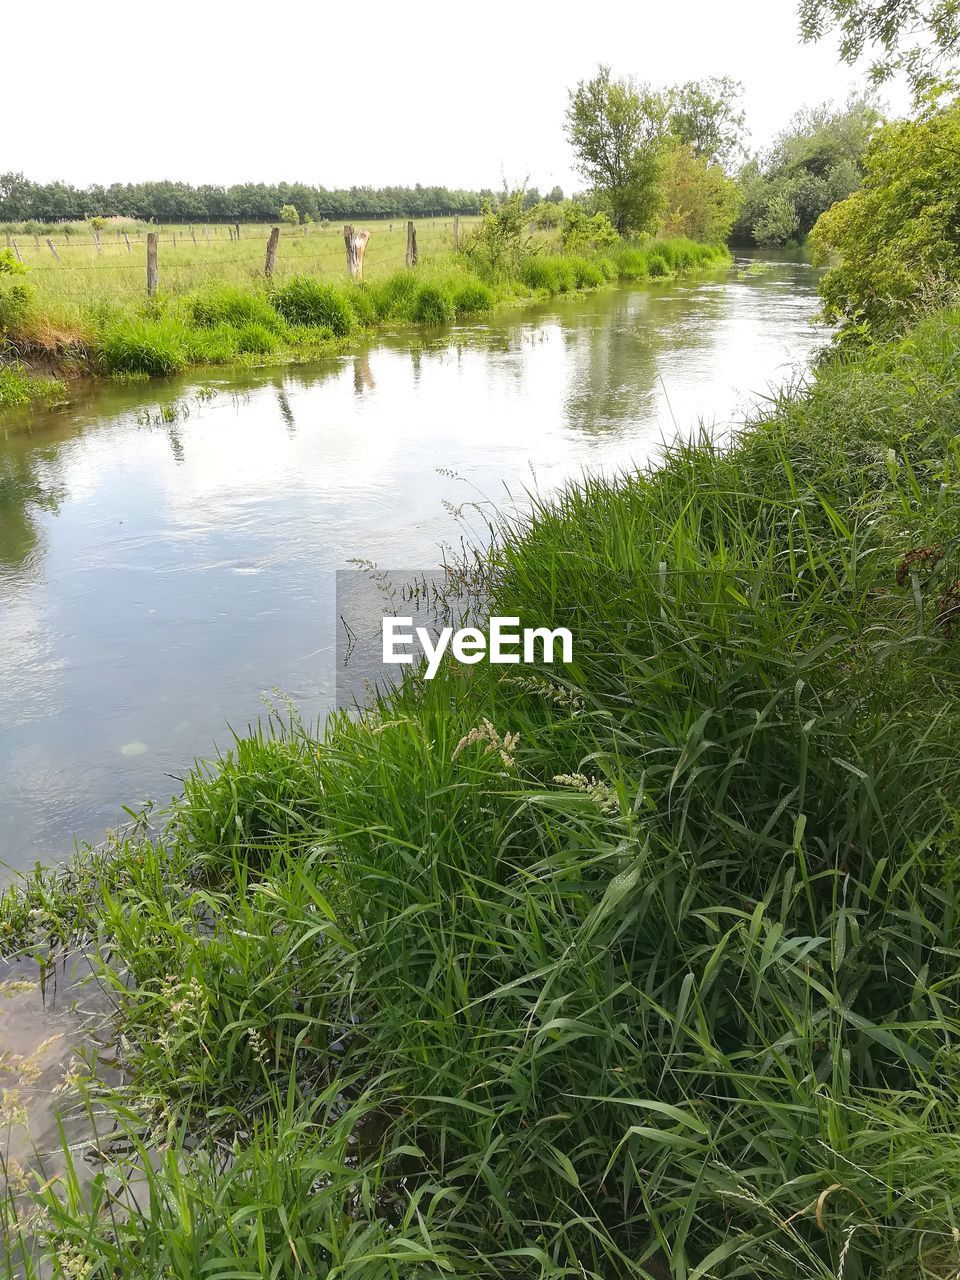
point(648, 968)
point(300, 316)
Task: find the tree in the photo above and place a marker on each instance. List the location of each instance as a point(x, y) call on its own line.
point(897, 239)
point(581, 232)
point(706, 116)
point(699, 199)
point(289, 214)
point(616, 129)
point(813, 162)
point(920, 38)
point(778, 223)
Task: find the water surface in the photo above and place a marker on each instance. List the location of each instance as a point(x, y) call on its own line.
point(167, 551)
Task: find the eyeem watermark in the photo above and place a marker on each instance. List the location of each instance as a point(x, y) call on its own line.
point(502, 644)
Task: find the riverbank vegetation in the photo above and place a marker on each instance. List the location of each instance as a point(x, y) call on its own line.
point(646, 969)
point(300, 315)
point(642, 967)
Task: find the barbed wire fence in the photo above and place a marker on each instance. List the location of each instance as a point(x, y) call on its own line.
point(199, 249)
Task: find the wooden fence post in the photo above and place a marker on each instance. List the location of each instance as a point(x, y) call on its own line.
point(456, 233)
point(271, 259)
point(174, 239)
point(236, 227)
point(16, 250)
point(355, 243)
point(127, 241)
point(412, 255)
point(96, 241)
point(193, 235)
point(52, 248)
point(153, 268)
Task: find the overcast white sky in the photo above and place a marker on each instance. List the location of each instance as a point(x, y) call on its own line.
point(454, 93)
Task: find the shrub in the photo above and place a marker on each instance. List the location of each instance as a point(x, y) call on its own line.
point(156, 348)
point(581, 232)
point(232, 304)
point(657, 266)
point(472, 298)
point(10, 265)
point(14, 305)
point(432, 306)
point(302, 300)
point(498, 247)
point(897, 239)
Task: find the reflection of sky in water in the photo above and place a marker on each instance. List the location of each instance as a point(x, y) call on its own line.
point(155, 579)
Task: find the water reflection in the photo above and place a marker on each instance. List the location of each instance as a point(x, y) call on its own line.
point(167, 553)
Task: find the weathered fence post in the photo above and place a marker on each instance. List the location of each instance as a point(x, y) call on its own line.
point(52, 247)
point(412, 255)
point(456, 233)
point(153, 269)
point(271, 259)
point(193, 234)
point(206, 234)
point(16, 250)
point(236, 227)
point(127, 242)
point(174, 239)
point(355, 243)
point(96, 241)
point(230, 234)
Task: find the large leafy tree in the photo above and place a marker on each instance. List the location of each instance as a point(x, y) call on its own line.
point(617, 129)
point(896, 241)
point(706, 116)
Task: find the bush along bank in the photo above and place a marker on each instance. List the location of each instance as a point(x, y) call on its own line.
point(648, 968)
point(302, 316)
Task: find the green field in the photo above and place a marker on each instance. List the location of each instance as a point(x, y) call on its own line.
point(85, 277)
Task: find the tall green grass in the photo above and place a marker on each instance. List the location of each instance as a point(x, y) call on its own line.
point(18, 386)
point(668, 984)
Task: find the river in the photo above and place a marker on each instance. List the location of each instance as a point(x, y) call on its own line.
point(167, 551)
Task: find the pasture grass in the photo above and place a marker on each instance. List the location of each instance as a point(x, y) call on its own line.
point(643, 966)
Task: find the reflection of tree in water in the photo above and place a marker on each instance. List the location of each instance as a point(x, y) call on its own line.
point(614, 351)
point(27, 488)
point(363, 379)
point(286, 410)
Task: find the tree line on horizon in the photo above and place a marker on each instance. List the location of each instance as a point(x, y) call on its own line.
point(22, 200)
